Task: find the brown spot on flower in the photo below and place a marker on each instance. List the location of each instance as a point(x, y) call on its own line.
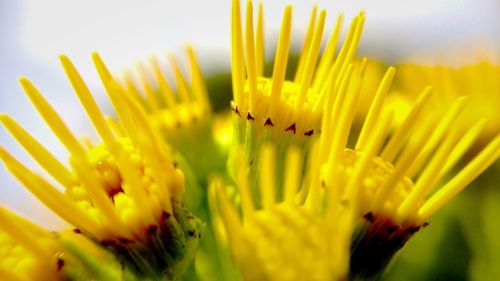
point(369, 217)
point(414, 229)
point(291, 128)
point(60, 264)
point(114, 191)
point(76, 230)
point(191, 233)
point(235, 109)
point(392, 228)
point(165, 216)
point(124, 240)
point(250, 117)
point(152, 229)
point(268, 122)
point(107, 242)
point(309, 133)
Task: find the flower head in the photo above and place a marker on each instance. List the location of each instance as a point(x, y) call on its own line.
point(27, 251)
point(272, 109)
point(479, 82)
point(30, 252)
point(292, 235)
point(182, 114)
point(393, 177)
point(125, 192)
point(288, 106)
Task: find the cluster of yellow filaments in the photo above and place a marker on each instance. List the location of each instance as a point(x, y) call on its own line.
point(480, 82)
point(393, 178)
point(175, 111)
point(286, 233)
point(181, 114)
point(116, 190)
point(296, 106)
point(27, 252)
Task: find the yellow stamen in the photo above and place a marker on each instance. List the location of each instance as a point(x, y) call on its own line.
point(182, 88)
point(55, 168)
point(401, 166)
point(52, 119)
point(327, 58)
point(50, 196)
point(238, 72)
point(87, 101)
point(336, 146)
point(428, 177)
point(244, 187)
point(280, 61)
point(131, 87)
point(310, 64)
point(125, 120)
point(353, 188)
point(229, 216)
point(100, 199)
point(314, 185)
point(307, 45)
point(267, 182)
point(165, 89)
point(151, 97)
point(339, 63)
point(250, 56)
point(464, 144)
point(18, 234)
point(259, 42)
point(292, 175)
point(375, 109)
point(438, 134)
point(482, 161)
point(392, 148)
point(197, 79)
point(115, 127)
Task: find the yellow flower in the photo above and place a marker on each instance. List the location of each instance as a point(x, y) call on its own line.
point(286, 112)
point(124, 192)
point(293, 238)
point(292, 109)
point(475, 81)
point(182, 114)
point(479, 82)
point(27, 252)
point(395, 177)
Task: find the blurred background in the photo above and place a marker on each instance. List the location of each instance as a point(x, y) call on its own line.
point(33, 33)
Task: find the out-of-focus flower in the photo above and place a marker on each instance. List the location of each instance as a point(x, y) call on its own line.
point(292, 238)
point(479, 82)
point(183, 117)
point(29, 252)
point(182, 114)
point(125, 192)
